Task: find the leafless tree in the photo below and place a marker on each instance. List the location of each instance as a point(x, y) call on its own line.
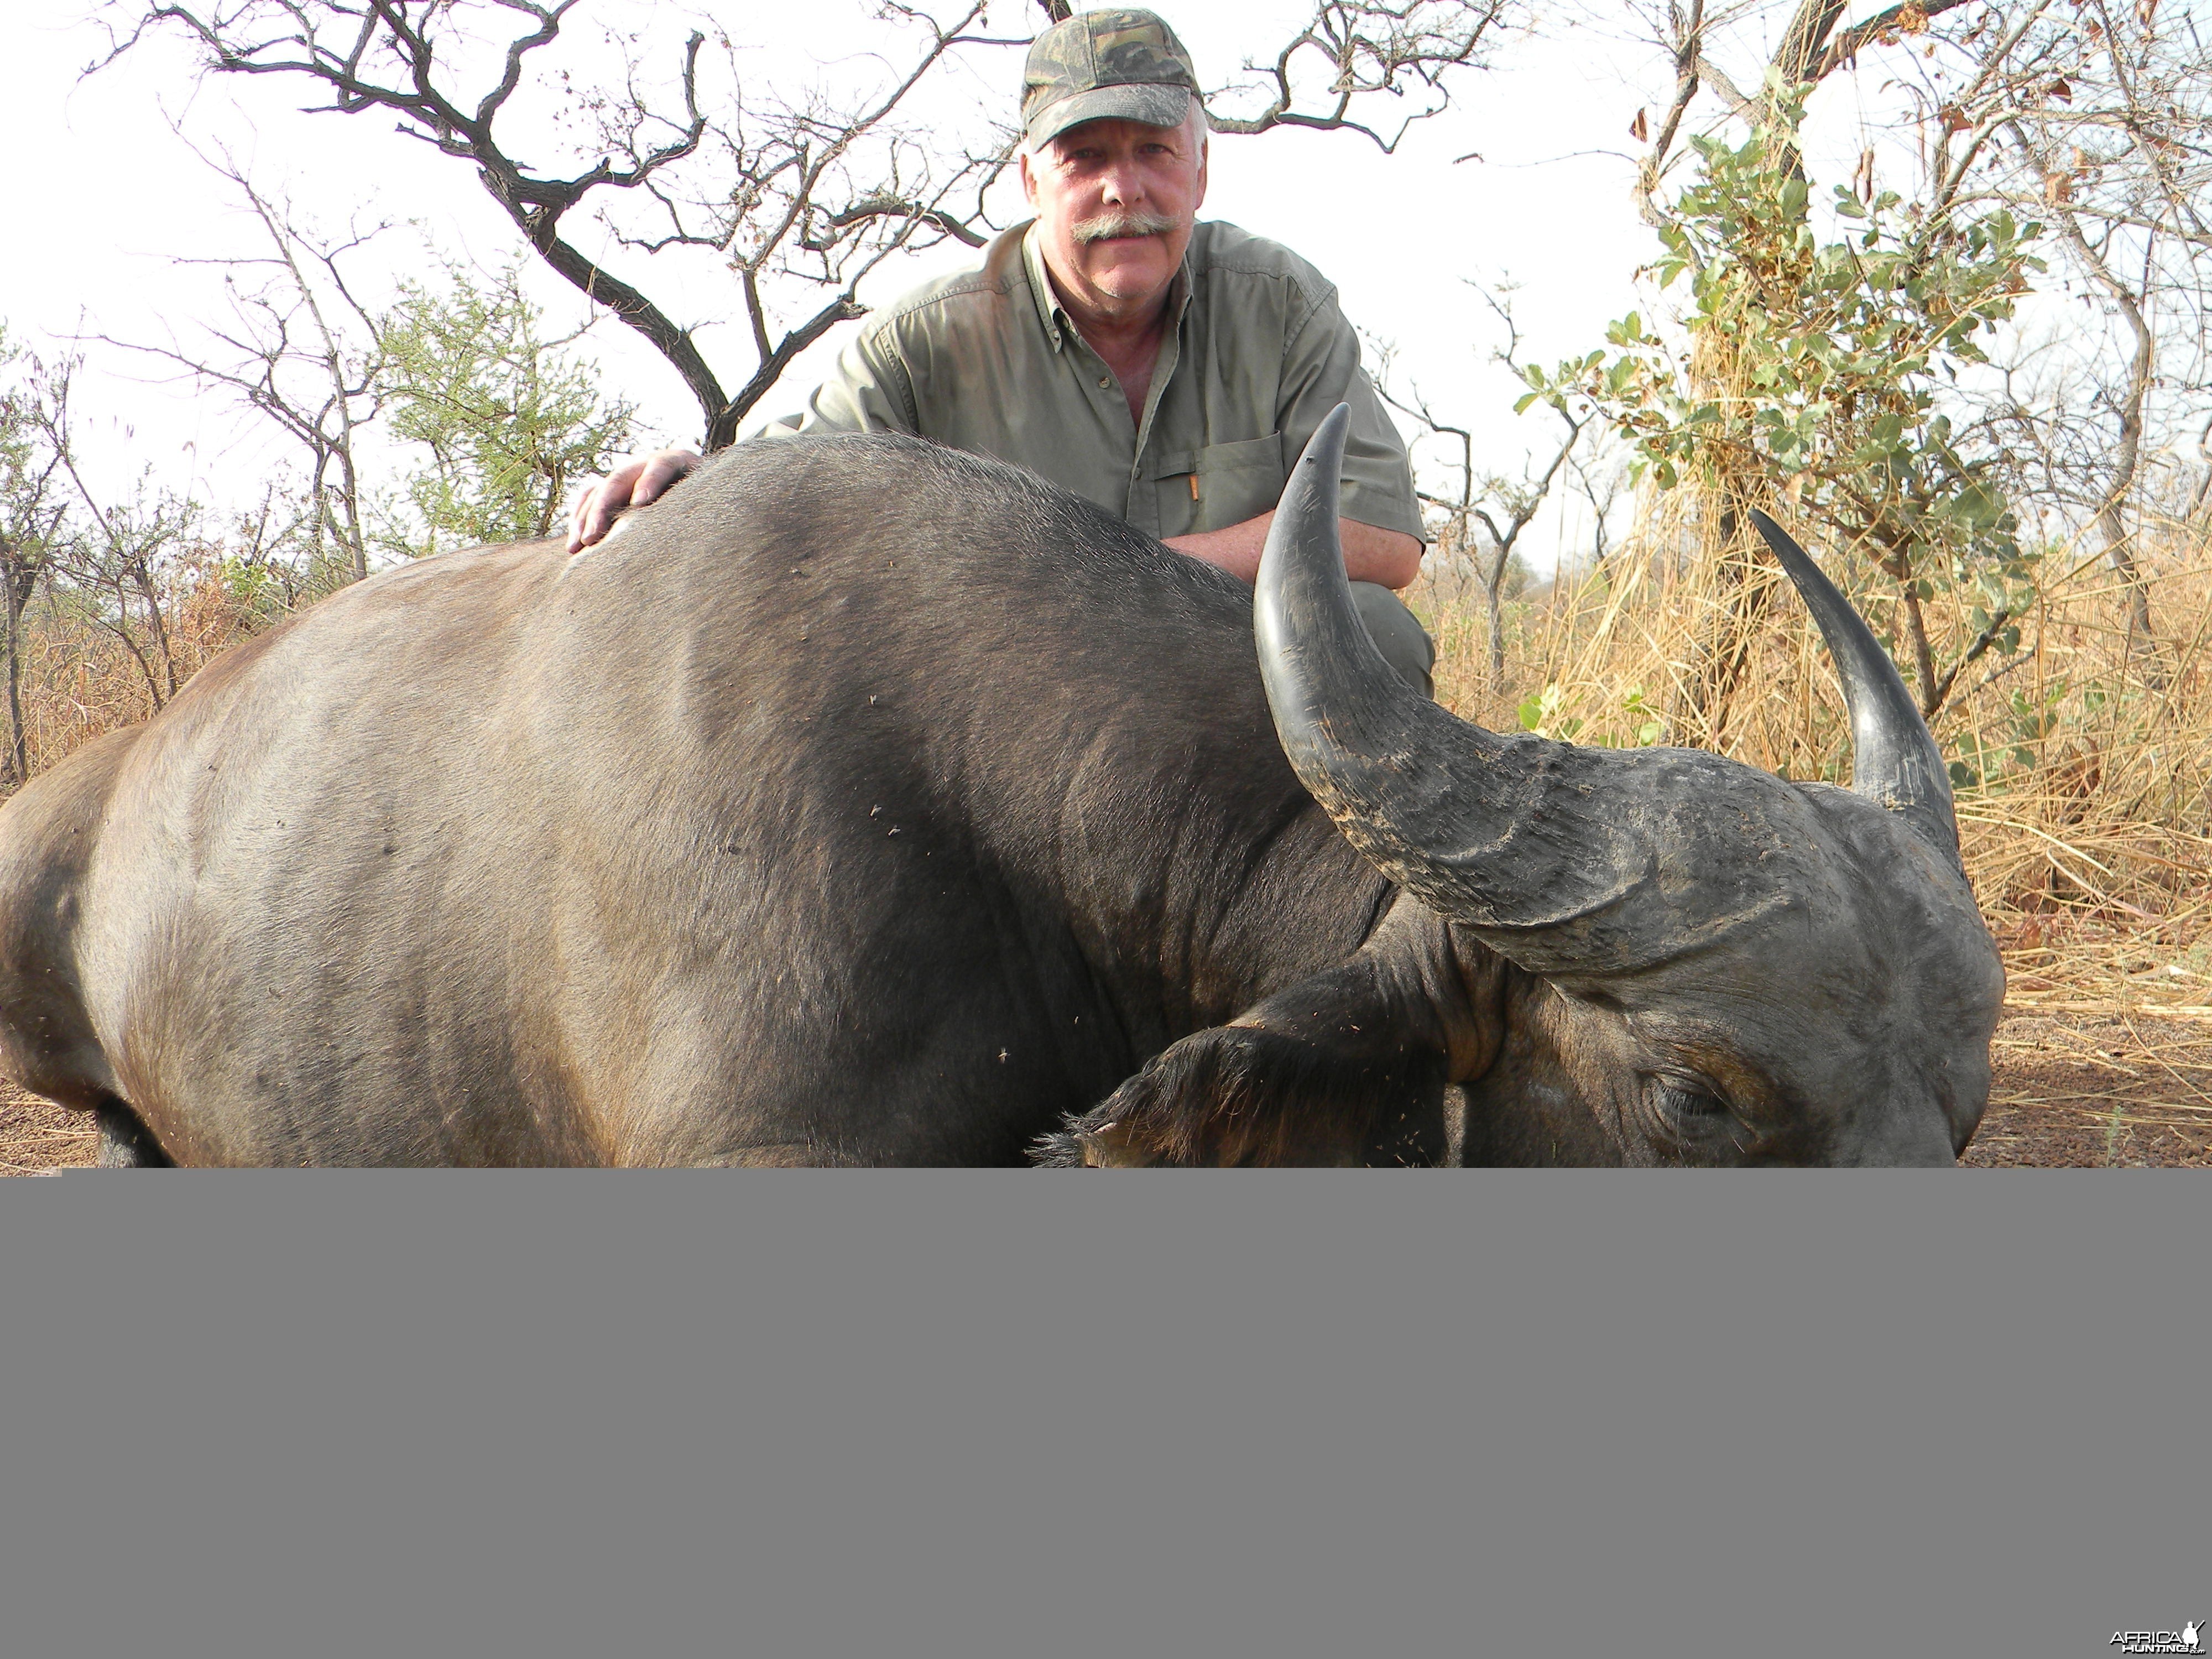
point(1362, 47)
point(2115, 147)
point(2128, 403)
point(1602, 474)
point(2200, 498)
point(1504, 507)
point(799, 196)
point(300, 349)
point(114, 552)
point(2093, 118)
point(816, 188)
point(33, 516)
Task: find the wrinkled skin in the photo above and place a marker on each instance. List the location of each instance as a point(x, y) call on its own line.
point(867, 803)
point(1866, 1041)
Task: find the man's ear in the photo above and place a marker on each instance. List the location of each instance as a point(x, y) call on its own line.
point(1029, 180)
point(1199, 131)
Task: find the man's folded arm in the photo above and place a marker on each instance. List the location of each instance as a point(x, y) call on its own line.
point(1388, 558)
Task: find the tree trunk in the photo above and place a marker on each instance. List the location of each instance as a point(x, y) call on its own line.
point(1805, 40)
point(18, 756)
point(1720, 652)
point(1497, 635)
point(1897, 563)
point(1923, 656)
point(142, 578)
point(2112, 525)
point(2127, 460)
point(1493, 598)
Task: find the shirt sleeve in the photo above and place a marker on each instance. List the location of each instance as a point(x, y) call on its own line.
point(867, 392)
point(1321, 369)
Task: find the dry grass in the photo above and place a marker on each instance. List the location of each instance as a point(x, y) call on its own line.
point(38, 1137)
point(2089, 841)
point(82, 679)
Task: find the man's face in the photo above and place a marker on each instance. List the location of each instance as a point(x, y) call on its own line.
point(1115, 201)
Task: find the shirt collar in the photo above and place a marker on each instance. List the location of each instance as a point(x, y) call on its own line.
point(1058, 324)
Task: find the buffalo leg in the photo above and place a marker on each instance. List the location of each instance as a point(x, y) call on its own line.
point(1348, 1065)
point(125, 1143)
point(1249, 1093)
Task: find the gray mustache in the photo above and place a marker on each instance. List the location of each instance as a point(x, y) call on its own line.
point(1122, 224)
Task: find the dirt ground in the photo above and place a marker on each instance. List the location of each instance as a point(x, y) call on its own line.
point(2071, 1091)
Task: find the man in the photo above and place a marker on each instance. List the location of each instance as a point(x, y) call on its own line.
point(1169, 371)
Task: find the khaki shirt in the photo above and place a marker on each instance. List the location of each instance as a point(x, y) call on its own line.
point(987, 361)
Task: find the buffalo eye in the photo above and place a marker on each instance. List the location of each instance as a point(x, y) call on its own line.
point(1687, 1099)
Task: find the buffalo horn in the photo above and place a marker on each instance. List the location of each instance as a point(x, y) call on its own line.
point(1507, 833)
point(1894, 759)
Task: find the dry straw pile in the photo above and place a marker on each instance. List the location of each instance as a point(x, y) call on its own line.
point(2087, 821)
point(83, 675)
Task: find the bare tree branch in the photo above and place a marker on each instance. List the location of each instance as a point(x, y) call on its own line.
point(1369, 46)
point(1884, 28)
point(794, 198)
point(800, 193)
point(1517, 501)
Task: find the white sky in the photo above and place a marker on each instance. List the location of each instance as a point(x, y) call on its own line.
point(103, 203)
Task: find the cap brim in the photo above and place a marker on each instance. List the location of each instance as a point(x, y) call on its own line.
point(1154, 106)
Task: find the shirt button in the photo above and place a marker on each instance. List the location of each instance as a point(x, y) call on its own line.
point(1105, 381)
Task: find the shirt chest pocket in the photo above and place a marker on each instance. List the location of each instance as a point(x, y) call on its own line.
point(1219, 485)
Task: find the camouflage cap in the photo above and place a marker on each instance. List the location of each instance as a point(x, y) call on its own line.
point(1120, 63)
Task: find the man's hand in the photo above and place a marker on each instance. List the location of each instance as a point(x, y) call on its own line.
point(639, 479)
point(1389, 558)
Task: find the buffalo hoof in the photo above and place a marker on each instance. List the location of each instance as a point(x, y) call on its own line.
point(125, 1143)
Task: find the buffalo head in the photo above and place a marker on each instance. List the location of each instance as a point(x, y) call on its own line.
point(1715, 965)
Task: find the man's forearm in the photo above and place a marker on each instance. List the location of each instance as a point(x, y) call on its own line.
point(1371, 554)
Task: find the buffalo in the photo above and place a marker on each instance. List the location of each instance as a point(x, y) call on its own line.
point(867, 802)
